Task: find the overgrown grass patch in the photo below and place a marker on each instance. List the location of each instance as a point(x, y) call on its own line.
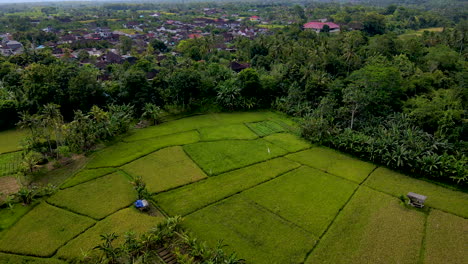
point(86, 175)
point(17, 259)
point(97, 198)
point(122, 152)
point(221, 156)
point(9, 216)
point(192, 197)
point(43, 230)
point(236, 131)
point(196, 122)
point(165, 169)
point(334, 162)
point(254, 233)
point(288, 142)
point(438, 197)
point(372, 228)
point(308, 197)
point(265, 128)
point(126, 220)
point(446, 238)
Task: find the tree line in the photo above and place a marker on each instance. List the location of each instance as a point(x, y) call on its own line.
point(396, 100)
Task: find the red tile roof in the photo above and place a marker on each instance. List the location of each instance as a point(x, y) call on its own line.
point(319, 25)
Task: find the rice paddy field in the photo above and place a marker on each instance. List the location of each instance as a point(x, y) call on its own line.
point(249, 180)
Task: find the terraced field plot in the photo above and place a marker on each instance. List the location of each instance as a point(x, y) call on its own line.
point(246, 179)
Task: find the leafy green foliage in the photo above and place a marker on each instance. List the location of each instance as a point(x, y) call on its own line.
point(253, 232)
point(97, 198)
point(43, 230)
point(165, 169)
point(216, 188)
point(221, 156)
point(373, 226)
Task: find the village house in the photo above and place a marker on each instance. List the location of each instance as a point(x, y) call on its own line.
point(319, 26)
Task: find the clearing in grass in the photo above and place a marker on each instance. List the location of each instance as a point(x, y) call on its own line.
point(86, 175)
point(190, 198)
point(254, 233)
point(165, 169)
point(221, 156)
point(288, 141)
point(446, 238)
point(126, 220)
point(265, 128)
point(122, 152)
point(334, 162)
point(372, 228)
point(438, 197)
point(97, 198)
point(236, 131)
point(307, 197)
point(43, 230)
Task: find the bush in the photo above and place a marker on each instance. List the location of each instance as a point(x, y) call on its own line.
point(397, 144)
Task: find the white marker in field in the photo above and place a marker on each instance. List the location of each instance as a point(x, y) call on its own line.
point(268, 150)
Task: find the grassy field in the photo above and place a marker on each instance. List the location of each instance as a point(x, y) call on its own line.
point(16, 259)
point(165, 169)
point(246, 179)
point(200, 121)
point(254, 233)
point(216, 188)
point(10, 140)
point(10, 163)
point(86, 175)
point(236, 131)
point(122, 152)
point(372, 228)
point(97, 198)
point(9, 216)
point(288, 142)
point(307, 197)
point(439, 197)
point(129, 219)
point(221, 156)
point(333, 162)
point(265, 128)
point(446, 239)
point(43, 230)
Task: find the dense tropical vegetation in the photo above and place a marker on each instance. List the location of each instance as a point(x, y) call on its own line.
point(389, 88)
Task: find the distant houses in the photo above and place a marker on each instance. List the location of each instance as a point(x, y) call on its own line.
point(255, 18)
point(322, 27)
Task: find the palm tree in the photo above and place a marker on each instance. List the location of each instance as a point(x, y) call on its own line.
point(53, 118)
point(152, 112)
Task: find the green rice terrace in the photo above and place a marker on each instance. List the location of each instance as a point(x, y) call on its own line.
point(249, 180)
